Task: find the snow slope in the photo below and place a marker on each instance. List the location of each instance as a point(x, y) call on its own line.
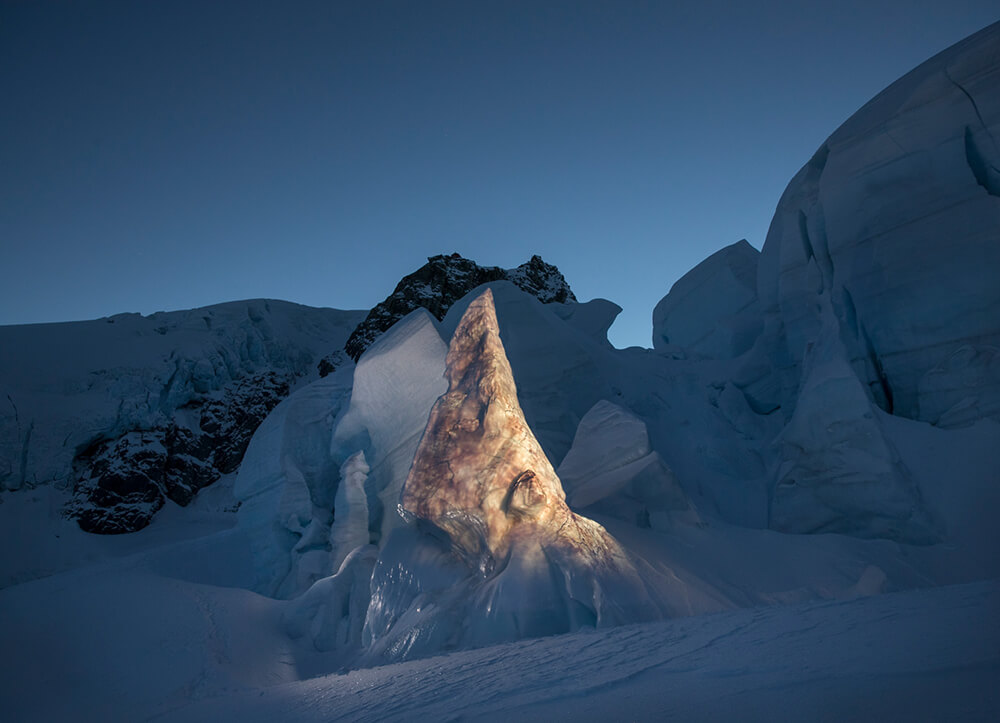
point(172, 634)
point(926, 656)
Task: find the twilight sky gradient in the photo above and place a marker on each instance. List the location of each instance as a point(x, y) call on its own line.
point(166, 155)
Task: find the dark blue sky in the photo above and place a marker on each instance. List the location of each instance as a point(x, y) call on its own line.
point(165, 155)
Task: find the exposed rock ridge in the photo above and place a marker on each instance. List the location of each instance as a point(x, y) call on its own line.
point(123, 482)
point(442, 281)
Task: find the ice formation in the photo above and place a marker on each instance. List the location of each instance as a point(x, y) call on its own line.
point(896, 219)
point(324, 472)
point(518, 561)
point(838, 472)
point(504, 473)
point(712, 310)
point(612, 466)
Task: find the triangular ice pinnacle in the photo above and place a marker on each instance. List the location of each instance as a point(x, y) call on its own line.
point(480, 475)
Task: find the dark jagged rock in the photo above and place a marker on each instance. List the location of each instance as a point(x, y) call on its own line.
point(123, 482)
point(442, 281)
point(331, 363)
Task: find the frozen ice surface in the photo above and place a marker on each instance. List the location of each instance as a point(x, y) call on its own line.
point(287, 485)
point(396, 382)
point(323, 473)
point(712, 310)
point(350, 524)
point(612, 463)
point(838, 472)
point(896, 220)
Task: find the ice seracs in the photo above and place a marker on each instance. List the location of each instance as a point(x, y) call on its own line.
point(895, 219)
point(712, 310)
point(324, 473)
point(513, 559)
point(843, 382)
point(479, 474)
point(611, 468)
point(837, 470)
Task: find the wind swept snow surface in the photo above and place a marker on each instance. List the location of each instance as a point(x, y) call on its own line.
point(932, 655)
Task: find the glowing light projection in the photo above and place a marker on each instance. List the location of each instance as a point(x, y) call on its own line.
point(481, 477)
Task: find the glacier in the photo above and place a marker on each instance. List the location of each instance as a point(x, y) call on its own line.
point(788, 503)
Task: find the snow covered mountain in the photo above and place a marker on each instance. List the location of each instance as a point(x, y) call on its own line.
point(129, 411)
point(816, 424)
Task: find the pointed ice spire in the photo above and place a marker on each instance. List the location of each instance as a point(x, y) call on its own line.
point(480, 475)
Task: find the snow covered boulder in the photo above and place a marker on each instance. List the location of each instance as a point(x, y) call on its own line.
point(712, 310)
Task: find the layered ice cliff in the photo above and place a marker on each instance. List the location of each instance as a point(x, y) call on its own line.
point(896, 219)
point(875, 293)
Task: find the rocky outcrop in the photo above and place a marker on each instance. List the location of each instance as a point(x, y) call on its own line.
point(123, 482)
point(442, 281)
point(128, 411)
